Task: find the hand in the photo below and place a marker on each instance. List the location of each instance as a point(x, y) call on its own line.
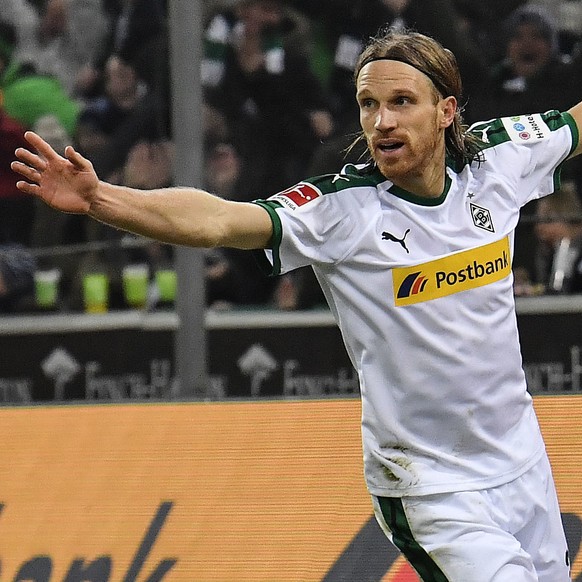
point(66, 183)
point(397, 6)
point(321, 123)
point(149, 165)
point(249, 46)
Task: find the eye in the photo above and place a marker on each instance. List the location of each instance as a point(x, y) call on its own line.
point(367, 103)
point(402, 100)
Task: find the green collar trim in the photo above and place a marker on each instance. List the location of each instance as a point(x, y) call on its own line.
point(421, 200)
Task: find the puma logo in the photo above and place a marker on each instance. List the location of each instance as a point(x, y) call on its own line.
point(400, 241)
point(484, 136)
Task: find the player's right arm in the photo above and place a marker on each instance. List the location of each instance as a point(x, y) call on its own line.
point(182, 216)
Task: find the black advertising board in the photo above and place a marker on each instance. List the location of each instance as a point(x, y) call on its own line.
point(131, 356)
point(263, 354)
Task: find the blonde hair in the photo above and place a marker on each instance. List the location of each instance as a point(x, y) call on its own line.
point(440, 65)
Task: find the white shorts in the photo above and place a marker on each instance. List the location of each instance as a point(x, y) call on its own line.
point(511, 533)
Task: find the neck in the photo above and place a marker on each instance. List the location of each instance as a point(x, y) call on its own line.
point(428, 182)
point(422, 187)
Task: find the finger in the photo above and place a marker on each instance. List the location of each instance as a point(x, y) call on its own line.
point(77, 159)
point(27, 188)
point(26, 171)
point(41, 146)
point(30, 159)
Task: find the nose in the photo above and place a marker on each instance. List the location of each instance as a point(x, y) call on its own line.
point(385, 119)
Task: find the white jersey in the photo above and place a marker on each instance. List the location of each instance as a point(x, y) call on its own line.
point(422, 292)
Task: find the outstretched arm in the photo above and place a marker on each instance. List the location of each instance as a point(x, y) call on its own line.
point(183, 216)
point(576, 113)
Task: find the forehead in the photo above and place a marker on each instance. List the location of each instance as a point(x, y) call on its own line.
point(529, 30)
point(388, 75)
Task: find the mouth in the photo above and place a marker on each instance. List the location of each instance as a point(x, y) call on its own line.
point(388, 147)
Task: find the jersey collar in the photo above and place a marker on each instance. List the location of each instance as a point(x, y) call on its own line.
point(422, 200)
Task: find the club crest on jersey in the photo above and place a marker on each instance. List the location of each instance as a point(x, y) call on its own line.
point(481, 217)
point(298, 195)
point(451, 274)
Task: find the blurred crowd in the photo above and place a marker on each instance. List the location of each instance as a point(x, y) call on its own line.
point(278, 106)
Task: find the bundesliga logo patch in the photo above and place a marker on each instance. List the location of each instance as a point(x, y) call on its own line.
point(458, 272)
point(298, 195)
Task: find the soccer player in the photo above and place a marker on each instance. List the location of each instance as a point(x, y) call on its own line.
point(413, 252)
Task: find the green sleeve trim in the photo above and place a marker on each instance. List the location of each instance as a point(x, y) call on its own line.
point(574, 129)
point(571, 123)
point(275, 243)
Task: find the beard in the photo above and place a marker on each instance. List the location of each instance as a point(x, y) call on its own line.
point(416, 156)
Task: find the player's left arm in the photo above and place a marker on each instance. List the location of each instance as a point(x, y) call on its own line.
point(576, 113)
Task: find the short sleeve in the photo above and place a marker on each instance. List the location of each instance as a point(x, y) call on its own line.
point(529, 150)
point(315, 222)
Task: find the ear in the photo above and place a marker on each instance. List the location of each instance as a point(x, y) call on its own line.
point(447, 111)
